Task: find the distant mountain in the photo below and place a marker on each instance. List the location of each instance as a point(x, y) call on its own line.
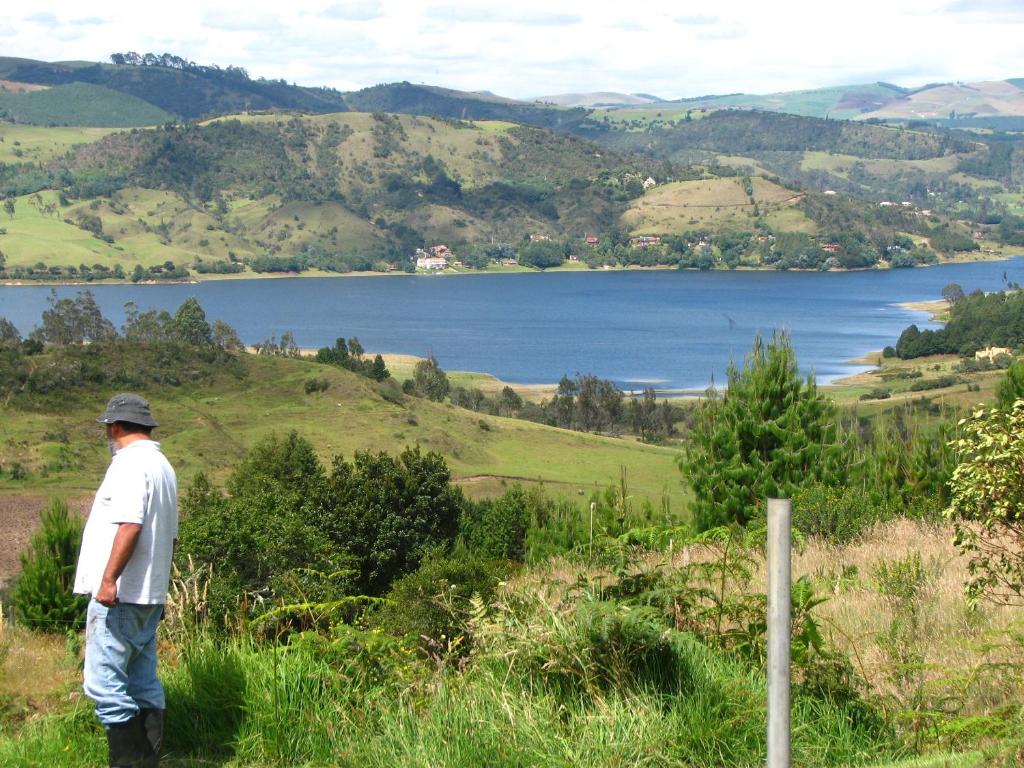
point(170, 88)
point(186, 93)
point(598, 99)
point(407, 98)
point(1000, 98)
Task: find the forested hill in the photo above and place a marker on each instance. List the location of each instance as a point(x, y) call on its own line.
point(188, 92)
point(406, 98)
point(166, 87)
point(742, 132)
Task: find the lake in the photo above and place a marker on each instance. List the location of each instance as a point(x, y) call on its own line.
point(666, 329)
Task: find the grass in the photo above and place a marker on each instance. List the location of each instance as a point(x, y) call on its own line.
point(210, 428)
point(81, 104)
point(557, 677)
point(841, 165)
point(36, 144)
point(897, 376)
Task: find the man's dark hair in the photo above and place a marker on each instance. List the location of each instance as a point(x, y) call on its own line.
point(133, 429)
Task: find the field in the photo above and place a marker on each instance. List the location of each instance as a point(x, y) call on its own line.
point(210, 428)
point(897, 377)
point(842, 164)
point(503, 708)
point(36, 144)
point(684, 205)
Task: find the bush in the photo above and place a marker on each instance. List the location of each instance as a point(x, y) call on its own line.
point(878, 393)
point(315, 385)
point(940, 382)
point(496, 528)
point(836, 514)
point(987, 503)
point(42, 594)
point(434, 604)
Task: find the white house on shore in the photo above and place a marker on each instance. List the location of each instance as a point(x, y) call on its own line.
point(436, 258)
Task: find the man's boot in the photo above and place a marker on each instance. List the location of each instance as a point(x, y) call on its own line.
point(127, 745)
point(153, 727)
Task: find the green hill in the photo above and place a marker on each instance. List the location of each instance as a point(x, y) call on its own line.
point(185, 90)
point(406, 98)
point(209, 426)
point(188, 92)
point(347, 190)
point(80, 104)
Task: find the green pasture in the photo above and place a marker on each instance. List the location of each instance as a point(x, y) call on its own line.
point(39, 144)
point(209, 428)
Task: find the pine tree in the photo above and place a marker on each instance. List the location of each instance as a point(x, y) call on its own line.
point(42, 596)
point(769, 434)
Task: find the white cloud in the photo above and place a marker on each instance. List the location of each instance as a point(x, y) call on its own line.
point(358, 10)
point(44, 18)
point(695, 21)
point(497, 15)
point(535, 47)
point(230, 21)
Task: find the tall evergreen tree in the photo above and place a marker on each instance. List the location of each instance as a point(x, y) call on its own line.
point(770, 433)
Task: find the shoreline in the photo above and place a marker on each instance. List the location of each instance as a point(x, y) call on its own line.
point(452, 272)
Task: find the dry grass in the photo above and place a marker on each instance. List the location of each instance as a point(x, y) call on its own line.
point(958, 646)
point(968, 661)
point(37, 675)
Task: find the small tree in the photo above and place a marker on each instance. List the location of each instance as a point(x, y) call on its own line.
point(42, 596)
point(430, 381)
point(987, 503)
point(190, 325)
point(952, 293)
point(1011, 387)
point(767, 436)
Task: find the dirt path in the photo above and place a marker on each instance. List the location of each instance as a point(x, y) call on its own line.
point(19, 519)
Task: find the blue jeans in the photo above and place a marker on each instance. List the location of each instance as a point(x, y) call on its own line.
point(120, 660)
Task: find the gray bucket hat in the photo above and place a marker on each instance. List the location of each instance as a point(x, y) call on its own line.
point(128, 407)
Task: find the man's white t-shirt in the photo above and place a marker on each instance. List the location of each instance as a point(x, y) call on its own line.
point(140, 487)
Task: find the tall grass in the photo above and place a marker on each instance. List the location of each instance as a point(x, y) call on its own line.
point(599, 687)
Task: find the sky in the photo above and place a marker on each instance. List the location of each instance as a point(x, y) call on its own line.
point(530, 48)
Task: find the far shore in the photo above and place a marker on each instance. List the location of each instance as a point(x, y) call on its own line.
point(571, 267)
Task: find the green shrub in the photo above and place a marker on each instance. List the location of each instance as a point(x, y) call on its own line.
point(434, 605)
point(42, 594)
point(316, 385)
point(836, 514)
point(878, 393)
point(496, 528)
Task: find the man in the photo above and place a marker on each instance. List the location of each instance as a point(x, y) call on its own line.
point(125, 565)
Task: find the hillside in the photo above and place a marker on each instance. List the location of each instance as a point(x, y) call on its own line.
point(347, 190)
point(79, 104)
point(1000, 98)
point(209, 426)
point(188, 92)
point(147, 90)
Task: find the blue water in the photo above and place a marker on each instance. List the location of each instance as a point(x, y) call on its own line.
point(667, 329)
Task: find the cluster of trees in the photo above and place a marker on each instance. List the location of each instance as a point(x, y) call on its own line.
point(74, 347)
point(289, 530)
point(350, 356)
point(976, 321)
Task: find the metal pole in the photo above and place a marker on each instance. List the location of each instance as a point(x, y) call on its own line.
point(779, 599)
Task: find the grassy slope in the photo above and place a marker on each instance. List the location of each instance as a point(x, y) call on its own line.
point(38, 144)
point(471, 154)
point(677, 207)
point(81, 104)
point(210, 427)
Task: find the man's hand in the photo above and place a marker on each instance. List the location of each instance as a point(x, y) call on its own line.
point(124, 545)
point(107, 594)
